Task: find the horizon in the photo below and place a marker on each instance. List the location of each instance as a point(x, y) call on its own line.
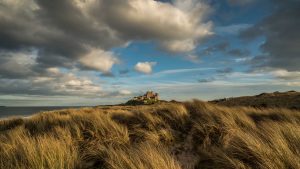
point(122, 102)
point(101, 52)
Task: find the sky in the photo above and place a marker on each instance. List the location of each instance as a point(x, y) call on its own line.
point(94, 52)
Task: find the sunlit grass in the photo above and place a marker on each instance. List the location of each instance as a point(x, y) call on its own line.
point(162, 136)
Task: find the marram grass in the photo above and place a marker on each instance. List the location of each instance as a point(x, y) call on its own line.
point(162, 136)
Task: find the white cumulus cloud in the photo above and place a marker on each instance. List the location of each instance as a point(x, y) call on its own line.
point(100, 60)
point(144, 67)
point(177, 26)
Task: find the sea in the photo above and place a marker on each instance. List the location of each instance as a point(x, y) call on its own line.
point(6, 112)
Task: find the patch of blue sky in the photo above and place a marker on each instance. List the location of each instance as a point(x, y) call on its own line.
point(149, 51)
point(169, 76)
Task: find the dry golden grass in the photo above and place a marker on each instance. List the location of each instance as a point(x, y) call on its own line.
point(163, 136)
point(288, 99)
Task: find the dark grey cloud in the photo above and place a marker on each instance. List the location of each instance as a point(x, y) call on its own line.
point(58, 30)
point(42, 43)
point(240, 2)
point(223, 46)
point(22, 65)
point(15, 67)
point(258, 62)
point(65, 31)
point(281, 30)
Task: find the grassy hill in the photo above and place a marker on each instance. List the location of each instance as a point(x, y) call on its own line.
point(289, 100)
point(187, 135)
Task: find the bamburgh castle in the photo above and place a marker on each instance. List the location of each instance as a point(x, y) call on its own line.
point(150, 95)
point(149, 98)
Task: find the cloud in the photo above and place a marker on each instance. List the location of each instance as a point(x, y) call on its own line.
point(243, 60)
point(98, 59)
point(107, 74)
point(219, 47)
point(60, 38)
point(151, 20)
point(179, 46)
point(16, 64)
point(55, 84)
point(65, 39)
point(65, 84)
point(225, 70)
point(286, 75)
point(144, 67)
point(279, 75)
point(43, 42)
point(222, 46)
point(193, 58)
point(293, 84)
point(239, 52)
point(53, 70)
point(125, 92)
point(281, 31)
point(207, 80)
point(240, 2)
point(179, 71)
point(232, 29)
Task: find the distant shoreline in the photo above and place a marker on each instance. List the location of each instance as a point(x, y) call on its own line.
point(9, 112)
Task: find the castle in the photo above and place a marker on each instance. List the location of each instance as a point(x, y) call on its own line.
point(150, 95)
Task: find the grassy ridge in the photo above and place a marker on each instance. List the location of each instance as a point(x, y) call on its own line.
point(290, 99)
point(165, 136)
